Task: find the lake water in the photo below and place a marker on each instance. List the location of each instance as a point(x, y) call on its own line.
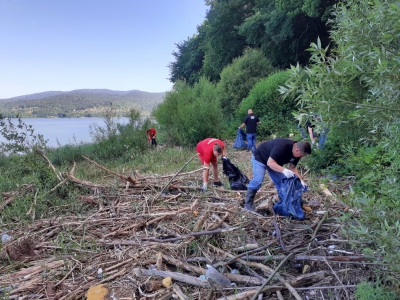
point(65, 130)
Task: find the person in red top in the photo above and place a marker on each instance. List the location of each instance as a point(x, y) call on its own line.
point(208, 151)
point(151, 136)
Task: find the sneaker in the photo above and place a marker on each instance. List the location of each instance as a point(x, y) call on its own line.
point(217, 183)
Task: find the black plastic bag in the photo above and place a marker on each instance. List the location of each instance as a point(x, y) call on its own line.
point(291, 201)
point(237, 179)
point(240, 140)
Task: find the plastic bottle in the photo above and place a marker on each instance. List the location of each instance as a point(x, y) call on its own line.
point(219, 279)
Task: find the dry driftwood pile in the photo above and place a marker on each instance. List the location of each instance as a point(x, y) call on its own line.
point(152, 237)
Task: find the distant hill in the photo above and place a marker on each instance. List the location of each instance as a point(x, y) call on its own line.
point(78, 103)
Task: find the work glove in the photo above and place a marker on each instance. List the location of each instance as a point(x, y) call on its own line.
point(204, 187)
point(288, 173)
point(217, 183)
point(305, 187)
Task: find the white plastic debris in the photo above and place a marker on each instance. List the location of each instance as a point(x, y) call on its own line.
point(6, 238)
point(219, 279)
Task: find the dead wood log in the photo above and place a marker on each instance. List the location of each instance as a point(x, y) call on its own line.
point(122, 177)
point(58, 175)
point(179, 292)
point(6, 202)
point(265, 246)
point(220, 221)
point(242, 279)
point(350, 258)
point(246, 247)
point(152, 285)
point(163, 189)
point(174, 275)
point(199, 233)
point(32, 270)
point(283, 281)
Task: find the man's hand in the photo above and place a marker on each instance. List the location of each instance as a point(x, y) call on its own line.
point(305, 187)
point(224, 158)
point(288, 173)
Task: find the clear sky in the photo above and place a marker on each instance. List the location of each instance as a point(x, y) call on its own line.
point(63, 45)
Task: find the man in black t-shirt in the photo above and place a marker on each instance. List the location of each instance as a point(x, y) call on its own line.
point(271, 156)
point(251, 122)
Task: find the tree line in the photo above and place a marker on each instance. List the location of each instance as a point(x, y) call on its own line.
point(288, 61)
point(80, 104)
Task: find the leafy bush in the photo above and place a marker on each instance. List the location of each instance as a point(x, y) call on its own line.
point(190, 114)
point(373, 291)
point(238, 78)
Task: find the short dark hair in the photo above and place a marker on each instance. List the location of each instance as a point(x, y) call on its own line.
point(304, 147)
point(218, 148)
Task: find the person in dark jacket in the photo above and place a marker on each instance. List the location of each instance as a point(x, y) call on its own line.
point(251, 122)
point(271, 156)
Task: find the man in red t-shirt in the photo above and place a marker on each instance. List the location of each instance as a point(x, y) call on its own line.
point(208, 150)
point(151, 136)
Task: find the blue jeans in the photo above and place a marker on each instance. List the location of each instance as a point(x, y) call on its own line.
point(259, 170)
point(322, 138)
point(302, 131)
point(251, 141)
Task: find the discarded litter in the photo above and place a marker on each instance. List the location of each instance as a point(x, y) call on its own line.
point(6, 238)
point(217, 277)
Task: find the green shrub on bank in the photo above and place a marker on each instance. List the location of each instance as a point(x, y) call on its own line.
point(190, 114)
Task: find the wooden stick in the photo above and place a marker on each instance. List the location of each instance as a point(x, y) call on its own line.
point(278, 233)
point(61, 281)
point(316, 229)
point(291, 289)
point(199, 233)
point(174, 275)
point(174, 176)
point(123, 177)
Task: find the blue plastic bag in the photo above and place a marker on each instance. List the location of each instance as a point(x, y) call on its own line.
point(240, 140)
point(237, 179)
point(291, 201)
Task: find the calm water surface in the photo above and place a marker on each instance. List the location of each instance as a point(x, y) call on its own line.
point(65, 130)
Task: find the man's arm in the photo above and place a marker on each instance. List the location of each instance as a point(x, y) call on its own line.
point(241, 126)
point(274, 165)
point(294, 169)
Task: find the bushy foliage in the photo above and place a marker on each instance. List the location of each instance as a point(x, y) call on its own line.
point(19, 137)
point(115, 141)
point(190, 114)
point(274, 111)
point(358, 88)
point(238, 78)
point(374, 291)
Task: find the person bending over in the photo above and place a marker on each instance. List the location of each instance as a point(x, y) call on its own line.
point(270, 157)
point(208, 151)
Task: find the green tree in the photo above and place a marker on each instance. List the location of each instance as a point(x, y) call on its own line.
point(284, 29)
point(358, 87)
point(190, 114)
point(223, 41)
point(239, 77)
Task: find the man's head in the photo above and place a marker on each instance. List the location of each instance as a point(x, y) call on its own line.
point(217, 149)
point(301, 149)
point(250, 111)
